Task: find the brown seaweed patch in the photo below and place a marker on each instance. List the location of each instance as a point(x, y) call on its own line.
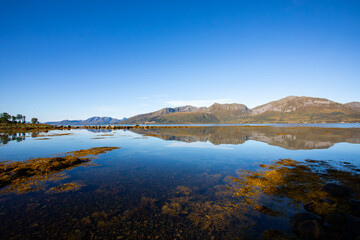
point(65, 188)
point(34, 174)
point(182, 190)
point(299, 182)
point(91, 151)
point(211, 216)
point(266, 210)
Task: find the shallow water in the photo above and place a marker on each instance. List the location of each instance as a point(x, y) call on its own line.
point(173, 183)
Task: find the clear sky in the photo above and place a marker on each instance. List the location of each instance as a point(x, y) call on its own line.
point(77, 59)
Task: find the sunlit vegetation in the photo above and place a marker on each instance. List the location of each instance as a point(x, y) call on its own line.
point(37, 174)
point(275, 191)
point(300, 182)
point(303, 186)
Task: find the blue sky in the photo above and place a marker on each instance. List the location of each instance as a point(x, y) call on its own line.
point(77, 59)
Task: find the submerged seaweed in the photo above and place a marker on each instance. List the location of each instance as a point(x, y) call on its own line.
point(33, 174)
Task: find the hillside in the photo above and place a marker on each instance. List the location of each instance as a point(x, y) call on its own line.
point(301, 109)
point(227, 112)
point(186, 118)
point(156, 116)
point(355, 106)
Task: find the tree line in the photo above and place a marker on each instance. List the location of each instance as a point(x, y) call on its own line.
point(19, 118)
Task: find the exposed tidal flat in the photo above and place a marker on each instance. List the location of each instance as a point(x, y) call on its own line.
point(181, 182)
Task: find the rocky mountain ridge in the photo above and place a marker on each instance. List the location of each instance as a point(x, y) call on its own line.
point(292, 109)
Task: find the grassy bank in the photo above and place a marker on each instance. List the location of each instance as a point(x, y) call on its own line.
point(24, 126)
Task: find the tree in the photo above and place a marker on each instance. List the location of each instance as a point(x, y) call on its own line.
point(23, 117)
point(34, 120)
point(13, 119)
point(19, 117)
point(5, 117)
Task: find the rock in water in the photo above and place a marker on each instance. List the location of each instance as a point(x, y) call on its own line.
point(301, 217)
point(311, 230)
point(352, 228)
point(335, 219)
point(339, 191)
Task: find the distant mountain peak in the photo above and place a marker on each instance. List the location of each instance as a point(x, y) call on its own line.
point(96, 120)
point(292, 104)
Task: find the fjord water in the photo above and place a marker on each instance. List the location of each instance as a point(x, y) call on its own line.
point(161, 183)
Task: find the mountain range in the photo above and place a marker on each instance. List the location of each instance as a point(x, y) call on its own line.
point(292, 109)
point(89, 121)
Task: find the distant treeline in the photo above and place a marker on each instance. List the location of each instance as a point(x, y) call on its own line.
point(19, 118)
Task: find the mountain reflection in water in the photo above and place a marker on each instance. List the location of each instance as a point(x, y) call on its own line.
point(288, 138)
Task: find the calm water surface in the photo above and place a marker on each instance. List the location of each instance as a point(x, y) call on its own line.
point(174, 183)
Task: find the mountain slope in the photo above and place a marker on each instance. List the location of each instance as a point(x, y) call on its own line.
point(186, 118)
point(355, 106)
point(214, 114)
point(301, 109)
point(152, 116)
point(299, 104)
point(227, 112)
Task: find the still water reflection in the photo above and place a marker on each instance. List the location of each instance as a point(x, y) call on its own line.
point(173, 183)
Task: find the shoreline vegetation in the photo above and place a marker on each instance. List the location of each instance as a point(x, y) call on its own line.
point(26, 126)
